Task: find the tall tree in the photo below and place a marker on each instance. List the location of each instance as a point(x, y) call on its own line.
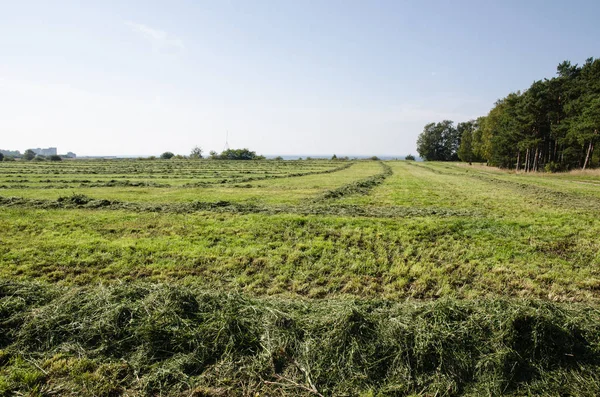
point(29, 154)
point(196, 153)
point(466, 150)
point(439, 142)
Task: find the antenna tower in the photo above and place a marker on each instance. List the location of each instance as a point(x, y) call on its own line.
point(226, 141)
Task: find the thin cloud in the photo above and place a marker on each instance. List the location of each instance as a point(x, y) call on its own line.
point(159, 38)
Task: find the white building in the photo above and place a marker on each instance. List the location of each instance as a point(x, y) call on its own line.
point(51, 151)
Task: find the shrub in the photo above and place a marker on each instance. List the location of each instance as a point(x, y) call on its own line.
point(167, 155)
point(55, 157)
point(553, 167)
point(410, 157)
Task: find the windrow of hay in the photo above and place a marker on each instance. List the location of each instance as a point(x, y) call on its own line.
point(143, 339)
point(262, 178)
point(363, 186)
point(81, 201)
point(24, 176)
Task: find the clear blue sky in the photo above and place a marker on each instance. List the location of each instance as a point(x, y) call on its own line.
point(284, 77)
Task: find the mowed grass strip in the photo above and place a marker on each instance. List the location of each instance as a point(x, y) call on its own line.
point(433, 185)
point(307, 255)
point(271, 191)
point(107, 173)
point(562, 190)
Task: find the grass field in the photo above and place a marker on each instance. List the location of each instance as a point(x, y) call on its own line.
point(179, 277)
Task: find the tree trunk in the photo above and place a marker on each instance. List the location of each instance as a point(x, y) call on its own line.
point(562, 155)
point(518, 159)
point(535, 159)
point(527, 160)
point(588, 155)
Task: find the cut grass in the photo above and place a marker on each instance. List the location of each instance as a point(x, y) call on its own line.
point(365, 278)
point(170, 340)
point(418, 255)
point(362, 186)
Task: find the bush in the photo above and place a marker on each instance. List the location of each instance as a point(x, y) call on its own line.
point(167, 155)
point(55, 157)
point(1, 157)
point(553, 167)
point(410, 157)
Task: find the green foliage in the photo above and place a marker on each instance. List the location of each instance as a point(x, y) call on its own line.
point(439, 142)
point(55, 157)
point(555, 121)
point(409, 157)
point(196, 153)
point(553, 167)
point(467, 151)
point(29, 155)
point(236, 154)
point(167, 155)
point(1, 156)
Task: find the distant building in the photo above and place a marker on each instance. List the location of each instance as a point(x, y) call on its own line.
point(70, 155)
point(13, 153)
point(51, 151)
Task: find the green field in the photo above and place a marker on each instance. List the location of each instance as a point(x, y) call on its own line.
point(182, 277)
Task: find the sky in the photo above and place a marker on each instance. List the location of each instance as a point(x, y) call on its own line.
point(281, 77)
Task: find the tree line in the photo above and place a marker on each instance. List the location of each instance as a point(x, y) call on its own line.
point(553, 125)
point(228, 154)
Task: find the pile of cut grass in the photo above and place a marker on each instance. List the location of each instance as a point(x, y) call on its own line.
point(363, 186)
point(81, 201)
point(143, 339)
